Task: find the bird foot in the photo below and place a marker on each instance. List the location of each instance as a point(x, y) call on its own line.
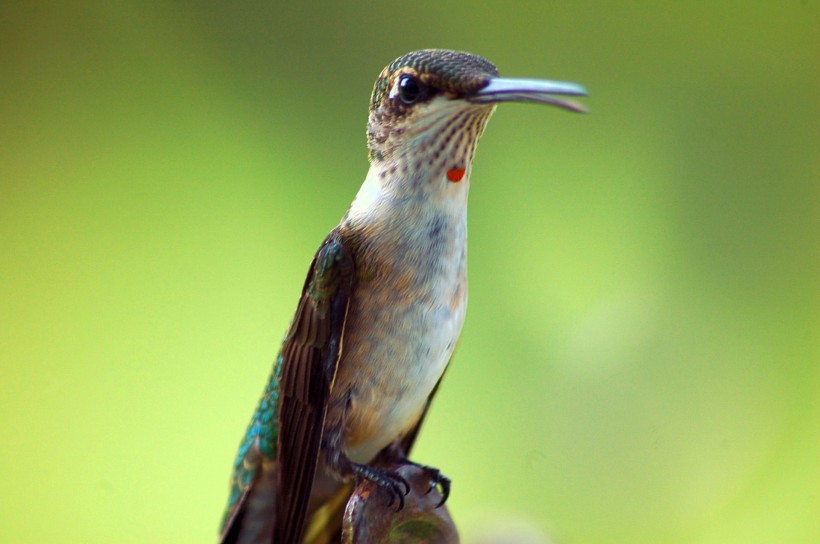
point(437, 480)
point(389, 480)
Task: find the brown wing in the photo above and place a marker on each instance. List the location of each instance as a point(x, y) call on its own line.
point(310, 356)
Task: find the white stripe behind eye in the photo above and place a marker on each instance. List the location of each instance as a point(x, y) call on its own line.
point(394, 90)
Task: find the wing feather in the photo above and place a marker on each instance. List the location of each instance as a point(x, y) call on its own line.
point(311, 355)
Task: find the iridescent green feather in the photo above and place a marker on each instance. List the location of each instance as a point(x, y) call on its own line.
point(260, 439)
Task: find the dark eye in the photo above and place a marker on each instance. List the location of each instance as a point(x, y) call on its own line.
point(410, 90)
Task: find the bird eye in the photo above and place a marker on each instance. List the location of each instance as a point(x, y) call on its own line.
point(410, 90)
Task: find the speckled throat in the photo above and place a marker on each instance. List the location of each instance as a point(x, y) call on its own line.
point(425, 147)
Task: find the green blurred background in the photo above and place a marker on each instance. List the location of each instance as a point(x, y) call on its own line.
point(640, 358)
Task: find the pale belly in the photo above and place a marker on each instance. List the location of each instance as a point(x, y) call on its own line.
point(395, 350)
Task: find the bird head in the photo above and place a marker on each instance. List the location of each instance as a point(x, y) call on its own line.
point(429, 108)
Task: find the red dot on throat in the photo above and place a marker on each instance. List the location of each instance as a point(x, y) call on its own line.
point(455, 175)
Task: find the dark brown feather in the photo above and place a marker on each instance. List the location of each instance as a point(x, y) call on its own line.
point(311, 354)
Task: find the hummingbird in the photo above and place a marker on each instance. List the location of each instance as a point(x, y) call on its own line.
point(383, 304)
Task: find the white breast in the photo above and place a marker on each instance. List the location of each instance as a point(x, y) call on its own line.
point(404, 324)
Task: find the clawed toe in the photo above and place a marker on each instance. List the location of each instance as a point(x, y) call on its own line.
point(392, 482)
point(439, 480)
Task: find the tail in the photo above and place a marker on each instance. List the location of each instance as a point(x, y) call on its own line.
point(251, 520)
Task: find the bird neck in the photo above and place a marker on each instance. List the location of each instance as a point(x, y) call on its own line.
point(404, 192)
point(411, 231)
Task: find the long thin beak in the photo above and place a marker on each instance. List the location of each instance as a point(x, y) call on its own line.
point(541, 91)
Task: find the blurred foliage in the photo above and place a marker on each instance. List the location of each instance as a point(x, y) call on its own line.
point(640, 359)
